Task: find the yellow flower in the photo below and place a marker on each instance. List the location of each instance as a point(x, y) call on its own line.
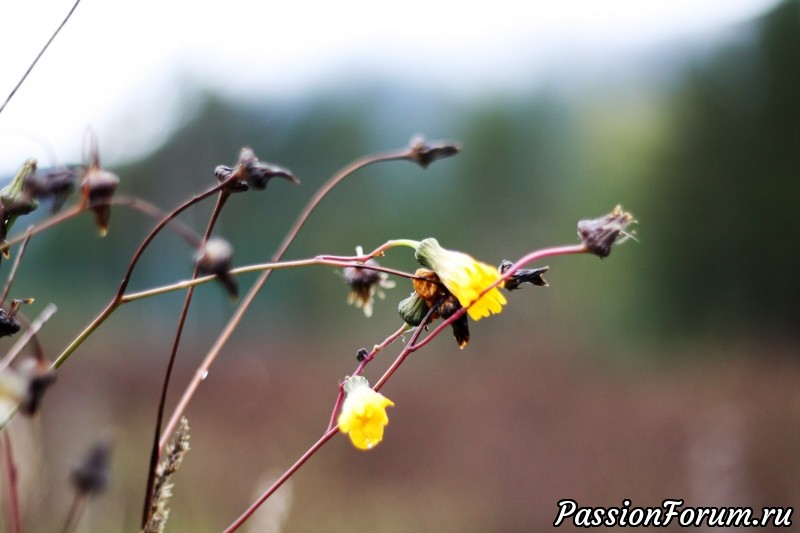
point(363, 415)
point(466, 278)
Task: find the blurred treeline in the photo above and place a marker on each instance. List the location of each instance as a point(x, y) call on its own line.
point(704, 149)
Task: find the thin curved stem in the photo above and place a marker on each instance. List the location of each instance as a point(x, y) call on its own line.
point(39, 55)
point(222, 198)
point(14, 267)
point(281, 480)
point(260, 267)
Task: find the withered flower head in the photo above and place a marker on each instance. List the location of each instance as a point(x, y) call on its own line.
point(365, 284)
point(215, 258)
point(9, 323)
point(98, 187)
point(14, 197)
point(15, 200)
point(600, 234)
point(38, 378)
point(55, 183)
point(431, 293)
point(424, 153)
point(523, 275)
point(91, 475)
point(250, 172)
point(460, 326)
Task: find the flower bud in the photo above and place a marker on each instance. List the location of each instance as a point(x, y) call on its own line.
point(91, 475)
point(600, 234)
point(215, 258)
point(425, 153)
point(97, 188)
point(523, 275)
point(250, 172)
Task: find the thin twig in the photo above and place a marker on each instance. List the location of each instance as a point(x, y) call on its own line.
point(36, 60)
point(75, 511)
point(281, 480)
point(222, 198)
point(12, 486)
point(261, 267)
point(14, 266)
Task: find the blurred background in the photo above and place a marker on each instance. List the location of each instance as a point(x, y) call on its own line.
point(668, 370)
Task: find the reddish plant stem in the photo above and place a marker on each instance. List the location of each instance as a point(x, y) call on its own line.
point(281, 480)
point(75, 511)
point(39, 55)
point(12, 486)
point(222, 198)
point(14, 267)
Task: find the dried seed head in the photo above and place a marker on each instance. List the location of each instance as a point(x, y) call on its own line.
point(91, 475)
point(9, 324)
point(365, 284)
point(424, 153)
point(38, 378)
point(98, 187)
point(250, 172)
point(55, 183)
point(523, 275)
point(215, 258)
point(600, 234)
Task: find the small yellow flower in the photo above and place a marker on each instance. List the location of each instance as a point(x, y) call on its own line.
point(363, 415)
point(466, 278)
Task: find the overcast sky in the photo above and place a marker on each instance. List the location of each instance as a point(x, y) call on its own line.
point(118, 59)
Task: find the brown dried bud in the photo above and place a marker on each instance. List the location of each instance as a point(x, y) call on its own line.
point(91, 475)
point(97, 188)
point(600, 234)
point(361, 354)
point(215, 258)
point(522, 275)
point(38, 378)
point(9, 323)
point(448, 308)
point(425, 153)
point(55, 183)
point(250, 172)
point(365, 284)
